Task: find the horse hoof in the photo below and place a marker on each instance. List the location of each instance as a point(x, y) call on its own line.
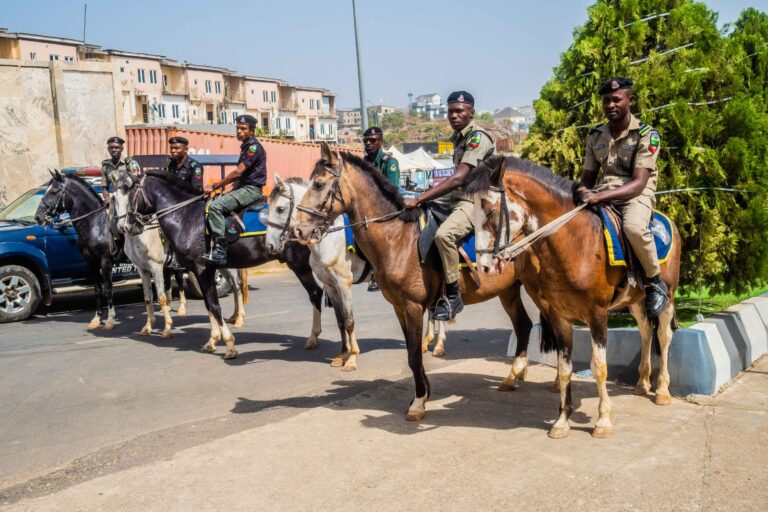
point(146, 331)
point(166, 334)
point(507, 387)
point(231, 354)
point(208, 349)
point(181, 312)
point(108, 326)
point(238, 324)
point(602, 432)
point(438, 352)
point(415, 415)
point(337, 362)
point(311, 345)
point(662, 399)
point(95, 324)
point(558, 432)
point(641, 390)
point(349, 367)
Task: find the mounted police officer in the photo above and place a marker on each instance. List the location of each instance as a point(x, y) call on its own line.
point(184, 166)
point(111, 166)
point(626, 150)
point(471, 146)
point(248, 180)
point(373, 143)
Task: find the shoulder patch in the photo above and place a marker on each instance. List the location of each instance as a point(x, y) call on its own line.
point(644, 128)
point(132, 165)
point(474, 139)
point(252, 149)
point(393, 166)
point(655, 142)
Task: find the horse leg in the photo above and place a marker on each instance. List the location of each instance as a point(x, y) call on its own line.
point(218, 328)
point(664, 333)
point(411, 318)
point(598, 327)
point(430, 333)
point(146, 286)
point(307, 280)
point(512, 303)
point(348, 325)
point(179, 276)
point(439, 350)
point(643, 386)
point(561, 428)
point(343, 356)
point(95, 322)
point(163, 298)
point(238, 317)
point(106, 271)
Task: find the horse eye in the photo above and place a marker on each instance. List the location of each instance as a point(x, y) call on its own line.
point(280, 209)
point(319, 185)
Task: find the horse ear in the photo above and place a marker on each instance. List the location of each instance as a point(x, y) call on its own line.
point(325, 153)
point(498, 170)
point(278, 180)
point(57, 175)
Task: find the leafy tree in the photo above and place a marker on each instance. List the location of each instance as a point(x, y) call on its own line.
point(484, 116)
point(393, 121)
point(696, 85)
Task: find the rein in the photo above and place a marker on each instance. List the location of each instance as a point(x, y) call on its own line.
point(153, 218)
point(51, 210)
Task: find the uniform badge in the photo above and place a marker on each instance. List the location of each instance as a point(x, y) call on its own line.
point(392, 166)
point(599, 146)
point(474, 142)
point(653, 145)
point(198, 171)
point(615, 84)
point(252, 149)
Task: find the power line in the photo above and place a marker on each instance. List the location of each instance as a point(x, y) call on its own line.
point(641, 20)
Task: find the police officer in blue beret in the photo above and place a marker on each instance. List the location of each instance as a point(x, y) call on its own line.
point(184, 166)
point(248, 180)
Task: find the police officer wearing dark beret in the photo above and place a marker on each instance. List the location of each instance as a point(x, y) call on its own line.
point(471, 145)
point(112, 166)
point(373, 143)
point(248, 180)
point(182, 165)
point(625, 150)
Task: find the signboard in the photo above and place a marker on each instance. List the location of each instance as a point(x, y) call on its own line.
point(443, 173)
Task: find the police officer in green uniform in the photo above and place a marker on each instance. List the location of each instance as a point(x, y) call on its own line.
point(471, 145)
point(626, 150)
point(184, 166)
point(248, 180)
point(373, 143)
point(111, 166)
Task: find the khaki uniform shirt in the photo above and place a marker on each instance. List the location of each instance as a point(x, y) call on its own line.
point(614, 156)
point(470, 146)
point(109, 170)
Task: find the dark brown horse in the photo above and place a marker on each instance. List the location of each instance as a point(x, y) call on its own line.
point(342, 182)
point(568, 277)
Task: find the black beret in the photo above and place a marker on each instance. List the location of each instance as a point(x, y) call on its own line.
point(116, 139)
point(178, 140)
point(247, 119)
point(373, 130)
point(461, 97)
point(614, 84)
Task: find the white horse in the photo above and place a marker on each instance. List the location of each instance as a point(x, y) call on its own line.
point(148, 250)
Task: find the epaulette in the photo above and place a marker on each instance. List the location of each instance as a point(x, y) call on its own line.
point(644, 128)
point(596, 128)
point(386, 157)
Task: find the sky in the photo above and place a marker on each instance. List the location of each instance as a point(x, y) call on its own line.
point(502, 51)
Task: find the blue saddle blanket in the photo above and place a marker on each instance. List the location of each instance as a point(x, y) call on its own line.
point(660, 226)
point(253, 225)
point(469, 242)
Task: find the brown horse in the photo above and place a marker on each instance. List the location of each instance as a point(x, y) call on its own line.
point(388, 235)
point(568, 276)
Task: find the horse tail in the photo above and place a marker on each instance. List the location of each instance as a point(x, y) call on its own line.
point(655, 344)
point(242, 273)
point(548, 339)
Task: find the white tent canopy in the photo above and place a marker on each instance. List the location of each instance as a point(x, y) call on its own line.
point(415, 160)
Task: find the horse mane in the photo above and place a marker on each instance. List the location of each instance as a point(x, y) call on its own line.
point(172, 180)
point(479, 179)
point(275, 193)
point(388, 191)
point(85, 185)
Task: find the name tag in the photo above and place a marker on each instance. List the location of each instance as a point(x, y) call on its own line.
point(599, 146)
point(627, 146)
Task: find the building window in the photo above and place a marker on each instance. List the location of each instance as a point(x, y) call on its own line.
point(218, 87)
point(265, 96)
point(287, 124)
point(54, 57)
point(140, 76)
point(208, 86)
point(32, 55)
point(330, 129)
point(274, 96)
point(252, 91)
point(152, 76)
point(322, 129)
point(234, 117)
point(69, 59)
point(223, 117)
point(277, 122)
point(161, 110)
point(175, 111)
point(122, 70)
point(165, 80)
point(195, 81)
point(311, 104)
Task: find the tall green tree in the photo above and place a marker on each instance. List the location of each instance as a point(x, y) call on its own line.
point(696, 86)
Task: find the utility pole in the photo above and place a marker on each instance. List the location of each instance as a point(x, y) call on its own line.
point(363, 111)
point(85, 18)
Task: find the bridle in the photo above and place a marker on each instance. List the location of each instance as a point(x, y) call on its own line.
point(333, 195)
point(285, 228)
point(503, 225)
point(151, 220)
point(58, 208)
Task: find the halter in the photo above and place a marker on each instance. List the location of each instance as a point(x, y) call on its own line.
point(284, 228)
point(333, 194)
point(51, 211)
point(503, 224)
point(144, 221)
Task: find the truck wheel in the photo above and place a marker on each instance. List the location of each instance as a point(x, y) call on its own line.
point(193, 288)
point(19, 293)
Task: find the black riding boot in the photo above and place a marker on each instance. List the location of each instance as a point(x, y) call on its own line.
point(655, 296)
point(373, 286)
point(217, 255)
point(451, 305)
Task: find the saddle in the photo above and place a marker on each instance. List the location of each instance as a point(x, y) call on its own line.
point(620, 251)
point(243, 222)
point(432, 216)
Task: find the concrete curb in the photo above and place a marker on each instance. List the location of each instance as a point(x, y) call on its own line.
point(702, 358)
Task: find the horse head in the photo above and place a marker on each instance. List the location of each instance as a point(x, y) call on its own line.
point(54, 199)
point(281, 215)
point(498, 218)
point(322, 203)
point(123, 186)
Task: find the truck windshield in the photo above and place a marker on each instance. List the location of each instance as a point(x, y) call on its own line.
point(23, 209)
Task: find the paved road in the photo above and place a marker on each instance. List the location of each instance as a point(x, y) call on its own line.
point(78, 404)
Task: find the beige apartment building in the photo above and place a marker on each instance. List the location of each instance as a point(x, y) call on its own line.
point(157, 90)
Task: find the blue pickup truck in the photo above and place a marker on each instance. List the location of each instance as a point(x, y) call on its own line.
point(37, 262)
